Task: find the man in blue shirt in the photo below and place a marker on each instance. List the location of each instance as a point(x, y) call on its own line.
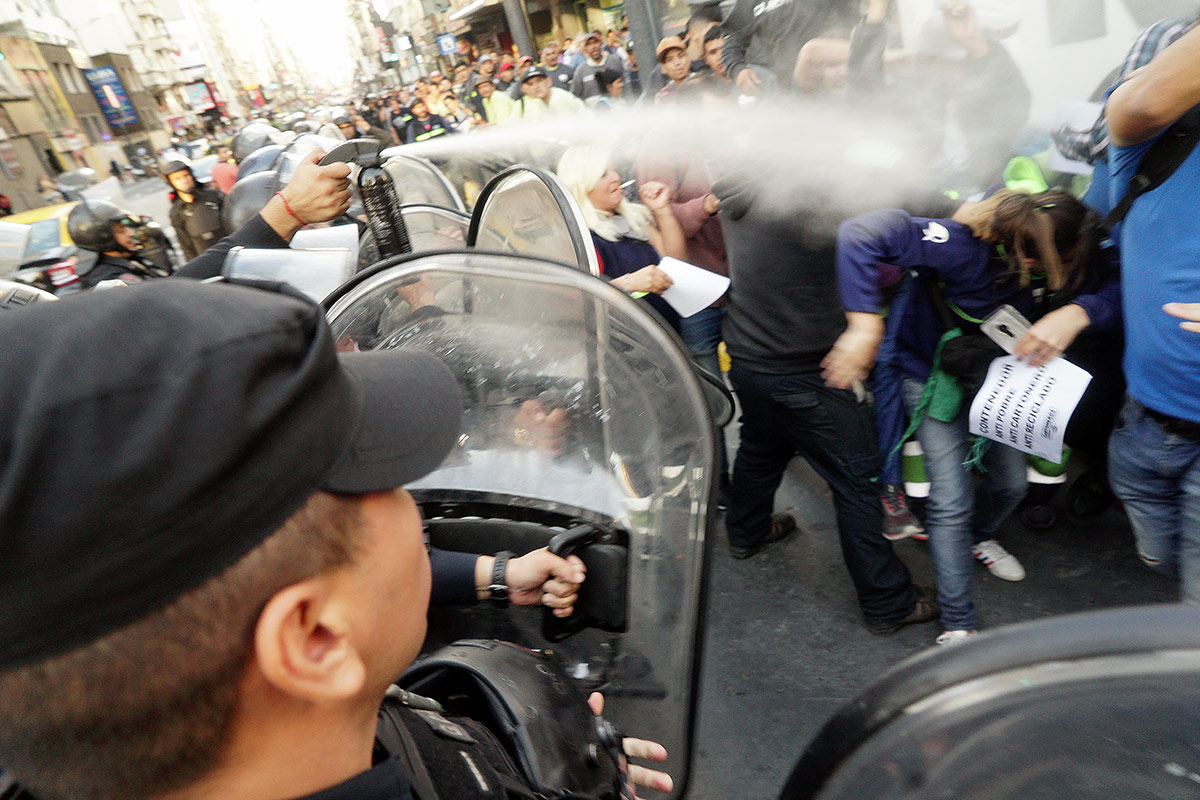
point(1154, 453)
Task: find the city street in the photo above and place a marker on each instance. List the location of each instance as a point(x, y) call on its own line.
point(786, 647)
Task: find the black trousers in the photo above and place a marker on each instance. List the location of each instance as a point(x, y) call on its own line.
point(797, 414)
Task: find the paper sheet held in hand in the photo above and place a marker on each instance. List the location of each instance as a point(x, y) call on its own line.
point(1027, 408)
point(693, 289)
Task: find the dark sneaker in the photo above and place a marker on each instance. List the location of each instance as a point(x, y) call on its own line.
point(1038, 517)
point(782, 526)
point(1088, 497)
point(898, 521)
point(925, 610)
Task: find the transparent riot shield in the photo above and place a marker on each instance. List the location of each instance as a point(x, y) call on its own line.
point(1104, 704)
point(419, 182)
point(468, 167)
point(527, 210)
point(583, 418)
point(429, 228)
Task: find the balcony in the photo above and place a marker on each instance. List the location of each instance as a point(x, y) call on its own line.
point(157, 79)
point(158, 42)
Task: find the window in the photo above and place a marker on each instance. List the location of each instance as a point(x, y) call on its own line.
point(43, 236)
point(91, 129)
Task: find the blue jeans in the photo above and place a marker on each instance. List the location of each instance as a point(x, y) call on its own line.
point(701, 332)
point(786, 415)
point(1157, 476)
point(961, 512)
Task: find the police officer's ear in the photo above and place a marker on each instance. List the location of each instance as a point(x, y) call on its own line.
point(303, 644)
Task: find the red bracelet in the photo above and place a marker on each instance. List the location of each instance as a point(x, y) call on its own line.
point(288, 208)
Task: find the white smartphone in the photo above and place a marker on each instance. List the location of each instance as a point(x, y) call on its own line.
point(1005, 326)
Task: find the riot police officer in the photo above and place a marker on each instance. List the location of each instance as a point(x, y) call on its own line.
point(120, 238)
point(274, 576)
point(195, 209)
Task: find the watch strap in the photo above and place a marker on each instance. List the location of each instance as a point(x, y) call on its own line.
point(498, 588)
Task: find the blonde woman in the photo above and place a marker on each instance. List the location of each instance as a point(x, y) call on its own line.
point(630, 238)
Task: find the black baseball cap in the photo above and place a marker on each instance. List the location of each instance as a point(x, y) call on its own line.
point(151, 436)
point(534, 72)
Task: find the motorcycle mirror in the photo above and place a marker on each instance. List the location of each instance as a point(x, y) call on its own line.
point(363, 152)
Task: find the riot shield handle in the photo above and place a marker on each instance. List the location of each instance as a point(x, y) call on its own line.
point(569, 542)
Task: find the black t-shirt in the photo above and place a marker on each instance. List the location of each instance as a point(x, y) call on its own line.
point(433, 125)
point(399, 122)
point(384, 781)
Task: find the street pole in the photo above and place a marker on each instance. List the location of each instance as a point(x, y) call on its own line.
point(518, 26)
point(645, 28)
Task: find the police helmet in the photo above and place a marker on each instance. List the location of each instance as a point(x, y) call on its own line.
point(251, 137)
point(247, 198)
point(90, 225)
point(174, 164)
point(263, 158)
point(170, 166)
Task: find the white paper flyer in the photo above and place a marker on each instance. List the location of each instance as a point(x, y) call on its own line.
point(1026, 407)
point(692, 289)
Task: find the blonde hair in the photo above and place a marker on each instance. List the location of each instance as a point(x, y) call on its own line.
point(580, 169)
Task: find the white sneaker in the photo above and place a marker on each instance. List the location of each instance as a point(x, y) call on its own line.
point(1000, 562)
point(953, 637)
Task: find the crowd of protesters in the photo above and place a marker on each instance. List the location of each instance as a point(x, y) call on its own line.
point(595, 71)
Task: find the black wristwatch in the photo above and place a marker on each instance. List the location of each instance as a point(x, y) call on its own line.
point(498, 588)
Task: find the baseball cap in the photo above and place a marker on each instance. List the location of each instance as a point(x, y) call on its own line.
point(534, 72)
point(506, 64)
point(592, 35)
point(152, 436)
point(668, 43)
point(486, 57)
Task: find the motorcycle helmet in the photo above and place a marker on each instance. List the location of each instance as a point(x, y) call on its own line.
point(253, 136)
point(248, 197)
point(262, 159)
point(91, 222)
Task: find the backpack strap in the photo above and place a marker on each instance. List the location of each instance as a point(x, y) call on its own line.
point(1165, 156)
point(393, 734)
